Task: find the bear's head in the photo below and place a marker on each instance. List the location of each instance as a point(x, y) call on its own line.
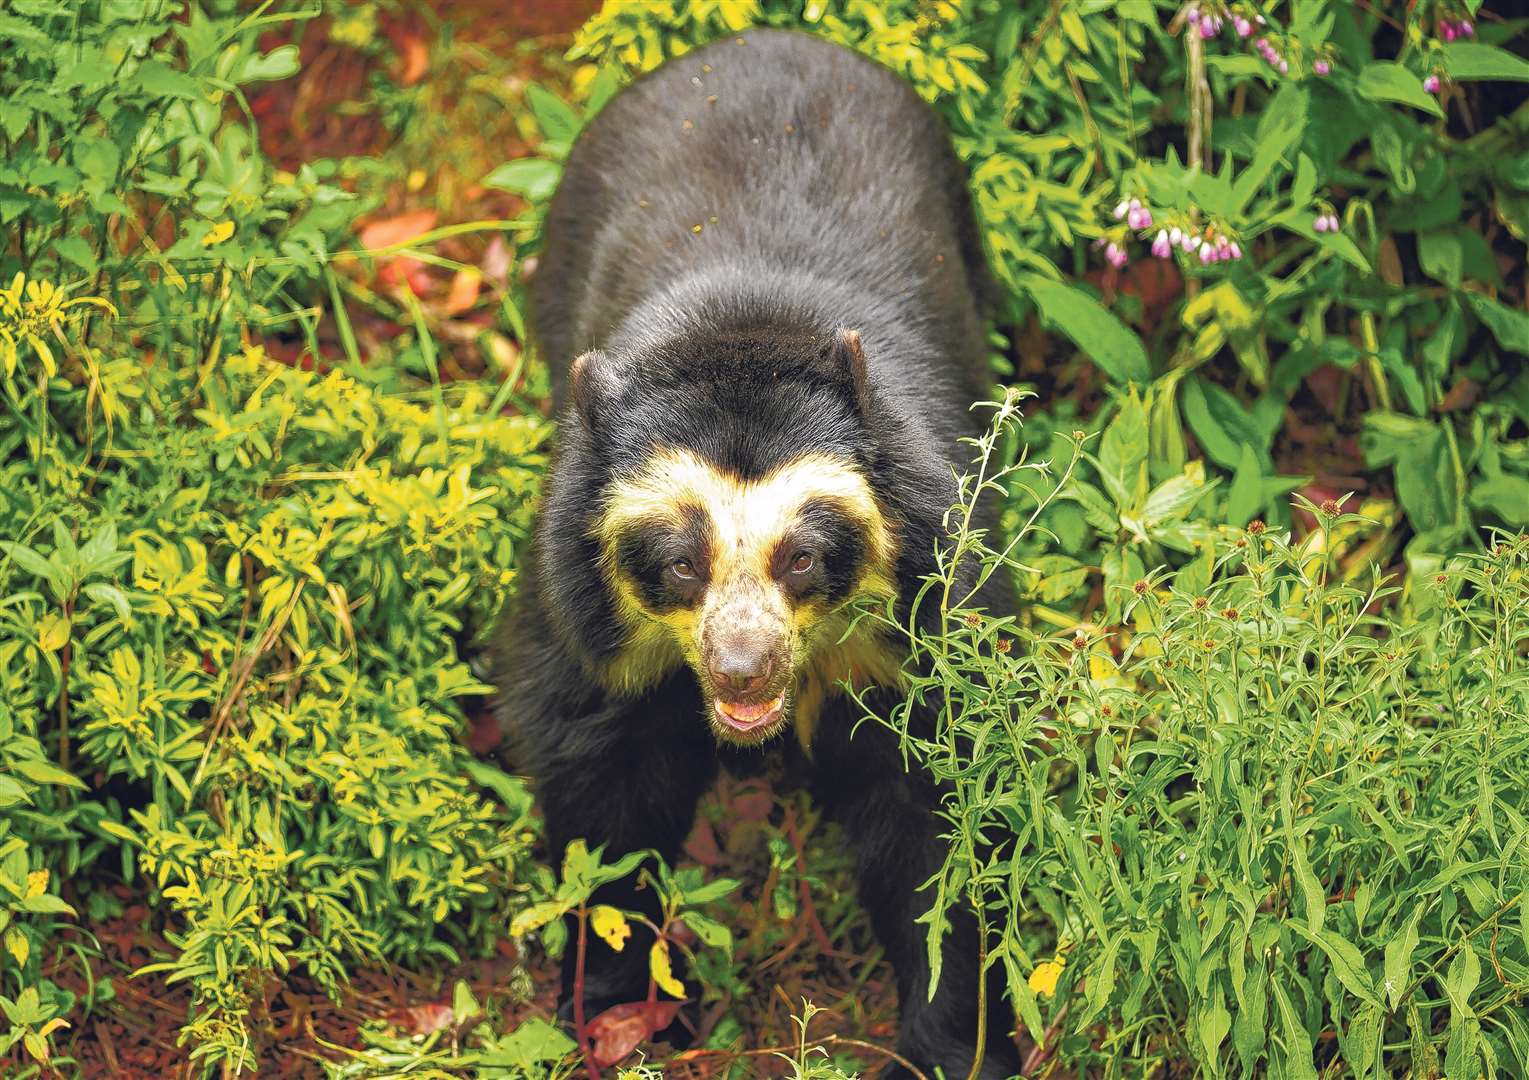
point(735, 519)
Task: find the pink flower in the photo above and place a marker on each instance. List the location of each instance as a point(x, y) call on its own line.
point(1161, 246)
point(1115, 255)
point(1321, 223)
point(1175, 235)
point(1284, 67)
point(1242, 26)
point(1465, 28)
point(1234, 251)
point(1447, 31)
point(1207, 255)
point(1431, 84)
point(1207, 27)
point(1321, 67)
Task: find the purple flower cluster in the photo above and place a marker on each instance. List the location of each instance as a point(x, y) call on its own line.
point(1134, 214)
point(1449, 31)
point(1207, 24)
point(1326, 223)
point(1271, 54)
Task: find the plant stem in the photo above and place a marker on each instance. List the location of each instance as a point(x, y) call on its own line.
point(580, 1031)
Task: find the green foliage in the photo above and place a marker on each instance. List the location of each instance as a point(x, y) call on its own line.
point(232, 594)
point(1262, 826)
point(1054, 108)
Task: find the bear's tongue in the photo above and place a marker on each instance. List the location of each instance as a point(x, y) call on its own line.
point(741, 716)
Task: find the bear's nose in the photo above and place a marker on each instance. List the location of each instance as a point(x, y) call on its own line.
point(741, 669)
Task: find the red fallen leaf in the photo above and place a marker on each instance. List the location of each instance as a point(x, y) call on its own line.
point(702, 845)
point(414, 53)
point(1326, 385)
point(421, 1019)
point(753, 805)
point(484, 734)
point(399, 229)
point(618, 1030)
point(464, 291)
point(497, 259)
point(404, 270)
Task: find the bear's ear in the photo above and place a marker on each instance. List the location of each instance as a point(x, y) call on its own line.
point(848, 358)
point(593, 382)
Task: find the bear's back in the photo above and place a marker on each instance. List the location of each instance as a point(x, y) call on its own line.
point(768, 159)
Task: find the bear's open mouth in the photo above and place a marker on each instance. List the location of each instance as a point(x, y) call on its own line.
point(742, 716)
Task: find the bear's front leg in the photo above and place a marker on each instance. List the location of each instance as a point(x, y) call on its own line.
point(893, 828)
point(625, 775)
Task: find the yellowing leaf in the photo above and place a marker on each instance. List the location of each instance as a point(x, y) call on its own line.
point(663, 972)
point(537, 915)
point(37, 883)
point(218, 233)
point(17, 945)
point(1044, 978)
point(52, 632)
point(611, 925)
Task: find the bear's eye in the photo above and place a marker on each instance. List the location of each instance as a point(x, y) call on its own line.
point(682, 569)
point(801, 562)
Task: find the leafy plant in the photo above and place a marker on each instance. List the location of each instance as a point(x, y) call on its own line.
point(1257, 825)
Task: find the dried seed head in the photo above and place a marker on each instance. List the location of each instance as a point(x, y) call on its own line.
point(1257, 528)
point(1229, 613)
point(1330, 507)
point(973, 620)
point(1201, 603)
point(1080, 640)
point(1003, 645)
point(1139, 588)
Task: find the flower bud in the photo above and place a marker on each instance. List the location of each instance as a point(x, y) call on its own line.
point(1431, 84)
point(1321, 67)
point(1161, 247)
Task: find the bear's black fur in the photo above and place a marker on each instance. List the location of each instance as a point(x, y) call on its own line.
point(716, 224)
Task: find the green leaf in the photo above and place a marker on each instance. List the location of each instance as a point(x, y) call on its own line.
point(1508, 325)
point(1123, 453)
point(528, 1048)
point(557, 120)
point(1470, 60)
point(1388, 81)
point(1505, 496)
point(1103, 337)
point(1440, 255)
point(1222, 426)
point(45, 772)
point(1246, 496)
point(1348, 962)
point(76, 250)
point(1299, 1064)
point(1398, 964)
point(535, 178)
point(1425, 482)
point(279, 63)
point(1279, 129)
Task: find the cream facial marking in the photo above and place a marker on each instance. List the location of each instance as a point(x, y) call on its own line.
point(726, 568)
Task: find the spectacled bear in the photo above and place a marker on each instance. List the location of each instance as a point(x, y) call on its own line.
point(760, 299)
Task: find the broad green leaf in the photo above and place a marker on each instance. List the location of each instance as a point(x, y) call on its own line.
point(1384, 80)
point(1246, 497)
point(556, 118)
point(1508, 325)
point(1122, 458)
point(1469, 60)
point(1106, 340)
point(1504, 495)
point(535, 178)
point(1299, 1063)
